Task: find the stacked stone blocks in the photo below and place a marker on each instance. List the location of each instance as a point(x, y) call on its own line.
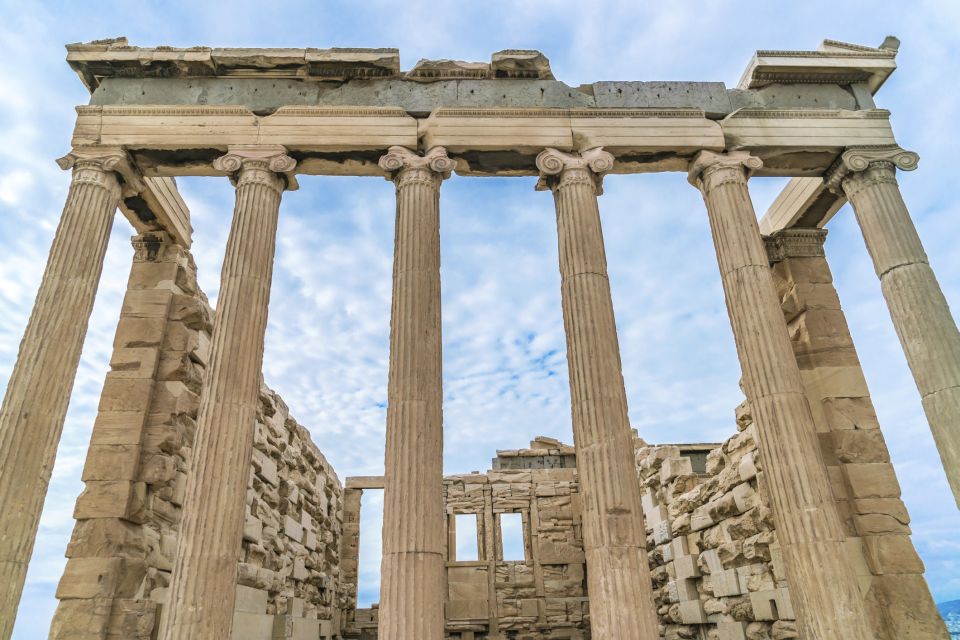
point(124, 543)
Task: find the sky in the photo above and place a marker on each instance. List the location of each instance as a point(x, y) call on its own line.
point(505, 375)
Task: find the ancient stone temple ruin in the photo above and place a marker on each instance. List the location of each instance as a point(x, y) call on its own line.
point(209, 512)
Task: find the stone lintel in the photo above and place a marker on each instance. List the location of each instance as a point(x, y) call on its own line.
point(171, 140)
point(804, 202)
point(365, 482)
point(160, 205)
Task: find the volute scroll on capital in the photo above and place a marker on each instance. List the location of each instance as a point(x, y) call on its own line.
point(707, 166)
point(859, 160)
point(255, 163)
point(102, 160)
point(400, 163)
point(559, 168)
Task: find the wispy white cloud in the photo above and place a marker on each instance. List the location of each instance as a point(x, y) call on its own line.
point(505, 377)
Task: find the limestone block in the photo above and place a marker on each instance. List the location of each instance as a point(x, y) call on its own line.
point(117, 428)
point(111, 500)
point(731, 631)
point(556, 553)
point(145, 303)
point(125, 394)
point(710, 560)
point(661, 532)
point(656, 515)
point(111, 462)
point(892, 554)
point(691, 612)
point(860, 445)
point(745, 497)
point(467, 609)
point(872, 480)
point(100, 577)
point(747, 468)
point(725, 583)
point(682, 590)
point(850, 413)
point(106, 537)
point(673, 467)
point(686, 567)
point(252, 626)
point(252, 529)
point(81, 619)
point(772, 605)
point(701, 519)
point(134, 362)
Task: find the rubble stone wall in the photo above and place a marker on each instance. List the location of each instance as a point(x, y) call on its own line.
point(544, 596)
point(714, 557)
point(122, 549)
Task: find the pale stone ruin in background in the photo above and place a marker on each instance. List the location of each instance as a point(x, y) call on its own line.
point(209, 512)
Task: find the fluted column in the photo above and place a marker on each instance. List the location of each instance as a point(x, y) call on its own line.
point(614, 539)
point(822, 582)
point(412, 571)
point(35, 404)
point(203, 586)
point(921, 316)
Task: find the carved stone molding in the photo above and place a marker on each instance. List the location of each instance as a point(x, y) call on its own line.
point(795, 243)
point(859, 160)
point(265, 164)
point(560, 168)
point(403, 166)
point(92, 164)
point(709, 169)
point(152, 246)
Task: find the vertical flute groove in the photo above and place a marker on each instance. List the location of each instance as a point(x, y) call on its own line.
point(823, 583)
point(918, 308)
point(413, 567)
point(614, 539)
point(38, 392)
point(203, 585)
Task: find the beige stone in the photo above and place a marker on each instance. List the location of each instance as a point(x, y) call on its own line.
point(413, 479)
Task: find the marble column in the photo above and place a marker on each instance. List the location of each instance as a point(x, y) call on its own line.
point(38, 392)
point(614, 539)
point(412, 570)
point(921, 316)
point(203, 586)
point(823, 583)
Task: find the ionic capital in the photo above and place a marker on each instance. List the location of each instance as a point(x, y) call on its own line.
point(559, 169)
point(96, 164)
point(403, 166)
point(861, 166)
point(262, 164)
point(709, 169)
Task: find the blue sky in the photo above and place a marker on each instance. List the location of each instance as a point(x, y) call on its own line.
point(504, 361)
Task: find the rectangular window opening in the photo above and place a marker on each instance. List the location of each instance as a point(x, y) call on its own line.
point(468, 549)
point(511, 537)
point(371, 546)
